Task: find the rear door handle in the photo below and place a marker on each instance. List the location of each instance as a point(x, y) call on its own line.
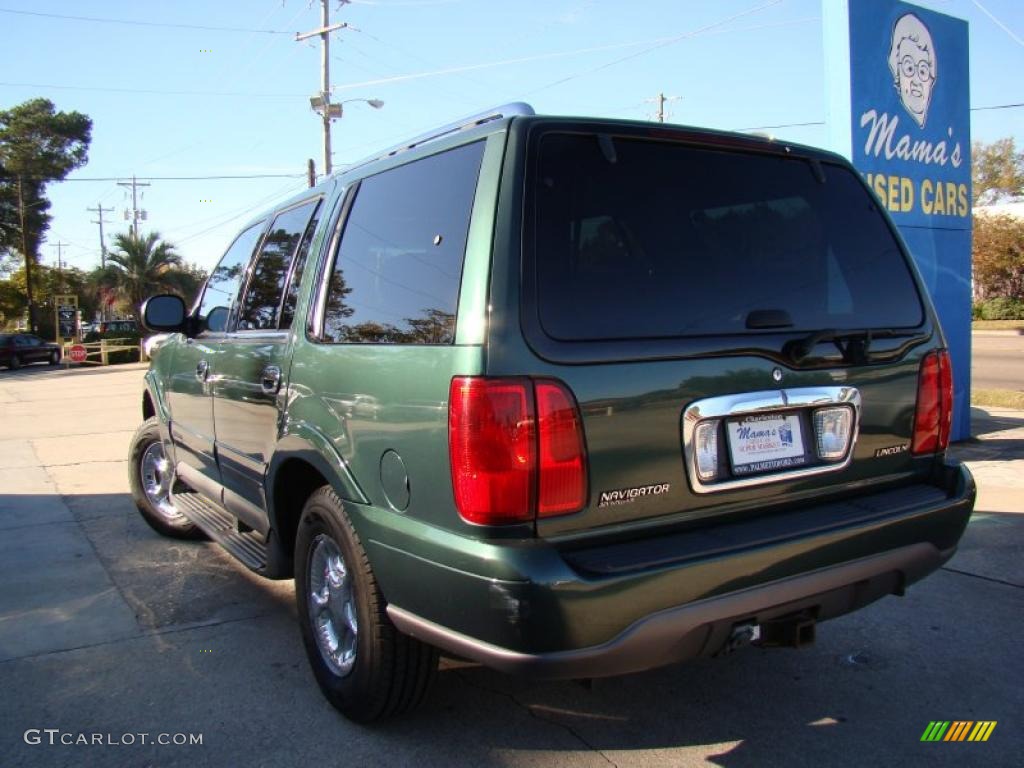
point(270, 380)
point(202, 370)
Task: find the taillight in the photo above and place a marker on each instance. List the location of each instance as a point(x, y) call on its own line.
point(516, 449)
point(563, 465)
point(934, 413)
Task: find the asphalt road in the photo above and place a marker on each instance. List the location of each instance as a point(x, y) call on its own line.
point(108, 629)
point(997, 362)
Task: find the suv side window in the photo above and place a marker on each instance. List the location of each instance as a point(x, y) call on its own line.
point(399, 265)
point(222, 286)
point(262, 298)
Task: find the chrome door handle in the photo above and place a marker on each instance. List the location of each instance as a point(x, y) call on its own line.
point(270, 380)
point(202, 370)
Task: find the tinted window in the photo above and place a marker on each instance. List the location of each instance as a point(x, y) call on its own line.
point(397, 273)
point(650, 239)
point(291, 296)
point(262, 299)
point(222, 286)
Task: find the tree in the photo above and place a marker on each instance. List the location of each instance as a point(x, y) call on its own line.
point(141, 266)
point(997, 170)
point(38, 145)
point(998, 256)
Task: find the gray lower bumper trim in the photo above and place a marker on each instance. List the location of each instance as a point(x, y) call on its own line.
point(658, 639)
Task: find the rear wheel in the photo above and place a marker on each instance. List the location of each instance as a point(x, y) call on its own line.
point(151, 478)
point(15, 362)
point(54, 357)
point(365, 667)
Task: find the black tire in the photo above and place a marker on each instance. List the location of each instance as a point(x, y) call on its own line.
point(391, 672)
point(15, 363)
point(162, 519)
point(54, 357)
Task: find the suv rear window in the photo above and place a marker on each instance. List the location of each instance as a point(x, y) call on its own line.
point(639, 238)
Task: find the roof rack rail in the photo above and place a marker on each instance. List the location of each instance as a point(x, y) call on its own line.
point(516, 108)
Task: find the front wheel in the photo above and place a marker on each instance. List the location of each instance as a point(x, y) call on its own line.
point(15, 363)
point(54, 357)
point(151, 479)
point(365, 667)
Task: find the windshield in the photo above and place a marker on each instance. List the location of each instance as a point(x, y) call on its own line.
point(638, 238)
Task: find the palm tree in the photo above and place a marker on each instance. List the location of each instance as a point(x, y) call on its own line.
point(140, 266)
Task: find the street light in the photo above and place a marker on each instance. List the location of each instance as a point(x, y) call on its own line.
point(321, 104)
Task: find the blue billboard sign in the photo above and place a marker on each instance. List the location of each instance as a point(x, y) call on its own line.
point(900, 110)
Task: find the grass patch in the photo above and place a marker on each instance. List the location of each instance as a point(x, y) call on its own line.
point(997, 325)
point(998, 398)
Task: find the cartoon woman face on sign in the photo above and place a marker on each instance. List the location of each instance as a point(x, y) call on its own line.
point(914, 65)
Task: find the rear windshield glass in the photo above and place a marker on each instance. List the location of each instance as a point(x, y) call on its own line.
point(646, 239)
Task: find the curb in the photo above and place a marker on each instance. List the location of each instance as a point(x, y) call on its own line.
point(1004, 332)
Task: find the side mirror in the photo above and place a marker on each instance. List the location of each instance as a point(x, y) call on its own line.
point(164, 313)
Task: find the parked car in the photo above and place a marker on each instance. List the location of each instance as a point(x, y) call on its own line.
point(117, 326)
point(18, 349)
point(567, 397)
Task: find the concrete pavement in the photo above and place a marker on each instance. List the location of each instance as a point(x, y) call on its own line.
point(107, 628)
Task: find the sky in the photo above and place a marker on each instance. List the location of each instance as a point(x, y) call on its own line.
point(198, 88)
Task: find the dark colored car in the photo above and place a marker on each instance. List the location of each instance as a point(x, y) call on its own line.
point(18, 349)
point(117, 326)
point(567, 397)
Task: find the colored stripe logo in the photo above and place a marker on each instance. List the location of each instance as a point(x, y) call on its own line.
point(958, 730)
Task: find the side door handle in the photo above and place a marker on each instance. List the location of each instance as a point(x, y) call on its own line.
point(202, 370)
point(270, 380)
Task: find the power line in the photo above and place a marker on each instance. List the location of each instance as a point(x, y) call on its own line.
point(998, 23)
point(134, 23)
point(782, 125)
point(996, 106)
point(111, 89)
point(670, 41)
point(168, 178)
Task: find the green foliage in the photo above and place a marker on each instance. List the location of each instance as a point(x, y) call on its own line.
point(997, 170)
point(998, 257)
point(139, 267)
point(38, 145)
point(1002, 309)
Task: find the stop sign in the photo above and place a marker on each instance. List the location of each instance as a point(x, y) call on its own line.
point(77, 353)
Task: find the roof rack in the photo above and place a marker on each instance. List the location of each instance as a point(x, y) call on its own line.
point(516, 108)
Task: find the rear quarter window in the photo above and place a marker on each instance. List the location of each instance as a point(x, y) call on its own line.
point(398, 269)
point(654, 239)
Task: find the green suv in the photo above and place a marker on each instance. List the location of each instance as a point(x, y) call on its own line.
point(567, 397)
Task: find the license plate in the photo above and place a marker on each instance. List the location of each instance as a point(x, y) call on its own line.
point(765, 443)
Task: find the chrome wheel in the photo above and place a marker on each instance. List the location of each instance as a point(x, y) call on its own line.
point(332, 606)
point(157, 477)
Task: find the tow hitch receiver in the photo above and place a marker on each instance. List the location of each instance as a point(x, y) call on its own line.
point(788, 632)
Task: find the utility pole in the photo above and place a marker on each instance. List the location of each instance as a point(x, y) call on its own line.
point(60, 261)
point(135, 202)
point(99, 211)
point(660, 100)
point(28, 259)
point(322, 102)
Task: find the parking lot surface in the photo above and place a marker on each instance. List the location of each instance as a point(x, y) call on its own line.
point(107, 629)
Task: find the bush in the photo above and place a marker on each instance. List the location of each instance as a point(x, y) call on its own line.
point(976, 310)
point(1002, 309)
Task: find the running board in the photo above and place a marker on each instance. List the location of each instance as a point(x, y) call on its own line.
point(222, 527)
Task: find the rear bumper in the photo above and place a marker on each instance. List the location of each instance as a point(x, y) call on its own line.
point(640, 605)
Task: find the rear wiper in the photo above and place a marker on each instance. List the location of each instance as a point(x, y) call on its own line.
point(853, 345)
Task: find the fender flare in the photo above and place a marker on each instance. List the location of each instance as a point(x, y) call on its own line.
point(304, 441)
